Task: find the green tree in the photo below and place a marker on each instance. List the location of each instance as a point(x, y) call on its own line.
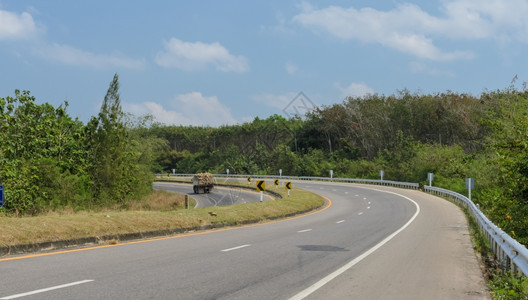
point(509, 144)
point(113, 154)
point(283, 158)
point(41, 146)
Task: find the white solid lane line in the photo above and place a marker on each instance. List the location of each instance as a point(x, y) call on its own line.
point(305, 230)
point(314, 287)
point(46, 289)
point(235, 248)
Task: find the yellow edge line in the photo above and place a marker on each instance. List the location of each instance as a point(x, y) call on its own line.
point(171, 237)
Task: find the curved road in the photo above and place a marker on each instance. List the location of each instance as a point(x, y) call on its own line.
point(371, 242)
point(218, 197)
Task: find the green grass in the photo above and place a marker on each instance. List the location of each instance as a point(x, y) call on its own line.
point(160, 211)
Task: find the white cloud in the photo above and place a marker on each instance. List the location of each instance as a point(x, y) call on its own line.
point(13, 26)
point(503, 20)
point(355, 90)
point(291, 68)
point(189, 56)
point(187, 109)
point(72, 56)
point(422, 47)
point(409, 29)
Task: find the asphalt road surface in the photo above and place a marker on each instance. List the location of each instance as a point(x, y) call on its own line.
point(218, 197)
point(370, 243)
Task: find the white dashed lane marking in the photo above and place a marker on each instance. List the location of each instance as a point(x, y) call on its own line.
point(47, 289)
point(236, 248)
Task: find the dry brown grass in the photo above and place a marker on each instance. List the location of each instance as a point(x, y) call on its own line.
point(160, 211)
point(159, 201)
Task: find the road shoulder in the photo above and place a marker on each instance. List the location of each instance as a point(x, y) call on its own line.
point(440, 265)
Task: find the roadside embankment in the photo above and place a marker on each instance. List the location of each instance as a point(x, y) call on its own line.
point(86, 228)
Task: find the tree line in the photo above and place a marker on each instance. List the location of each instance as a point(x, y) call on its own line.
point(353, 138)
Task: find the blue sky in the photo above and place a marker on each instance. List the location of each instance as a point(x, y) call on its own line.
point(227, 62)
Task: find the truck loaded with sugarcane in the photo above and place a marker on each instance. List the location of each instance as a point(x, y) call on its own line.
point(203, 183)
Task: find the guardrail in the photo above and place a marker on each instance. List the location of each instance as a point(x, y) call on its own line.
point(511, 254)
point(407, 185)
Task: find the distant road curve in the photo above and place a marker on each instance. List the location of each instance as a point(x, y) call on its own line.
point(219, 197)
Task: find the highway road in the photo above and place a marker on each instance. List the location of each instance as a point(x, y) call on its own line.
point(371, 242)
point(220, 196)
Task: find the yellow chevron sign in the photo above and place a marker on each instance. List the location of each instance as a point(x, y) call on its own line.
point(288, 185)
point(261, 185)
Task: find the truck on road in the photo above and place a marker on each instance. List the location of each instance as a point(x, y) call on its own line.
point(203, 183)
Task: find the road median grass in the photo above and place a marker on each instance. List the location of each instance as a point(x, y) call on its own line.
point(162, 213)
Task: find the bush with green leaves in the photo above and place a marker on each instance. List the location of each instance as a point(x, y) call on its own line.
point(50, 161)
